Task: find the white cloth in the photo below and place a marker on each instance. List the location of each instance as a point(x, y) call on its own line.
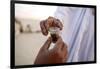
point(78, 32)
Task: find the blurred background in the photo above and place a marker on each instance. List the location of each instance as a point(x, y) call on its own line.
point(28, 36)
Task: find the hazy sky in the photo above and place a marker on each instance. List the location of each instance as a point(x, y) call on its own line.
point(31, 11)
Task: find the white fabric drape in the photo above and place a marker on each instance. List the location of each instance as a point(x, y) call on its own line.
point(78, 32)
